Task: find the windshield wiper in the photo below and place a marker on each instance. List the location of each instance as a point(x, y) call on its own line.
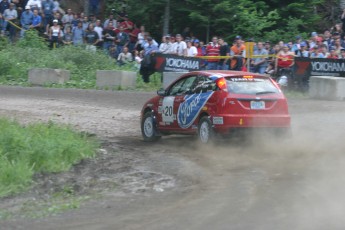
point(265, 92)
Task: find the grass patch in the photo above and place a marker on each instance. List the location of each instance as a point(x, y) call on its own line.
point(25, 151)
point(32, 52)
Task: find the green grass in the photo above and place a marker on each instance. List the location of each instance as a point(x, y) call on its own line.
point(35, 148)
point(32, 52)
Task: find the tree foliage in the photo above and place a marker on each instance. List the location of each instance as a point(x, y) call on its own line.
point(265, 19)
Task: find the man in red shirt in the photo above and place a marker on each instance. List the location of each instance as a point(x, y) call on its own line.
point(213, 49)
point(127, 25)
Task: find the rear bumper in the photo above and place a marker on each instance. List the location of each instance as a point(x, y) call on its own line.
point(226, 122)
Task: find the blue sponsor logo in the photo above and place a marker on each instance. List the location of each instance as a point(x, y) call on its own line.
point(190, 108)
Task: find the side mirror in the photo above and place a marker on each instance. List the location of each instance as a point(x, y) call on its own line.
point(161, 92)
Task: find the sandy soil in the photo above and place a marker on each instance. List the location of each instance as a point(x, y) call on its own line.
point(259, 183)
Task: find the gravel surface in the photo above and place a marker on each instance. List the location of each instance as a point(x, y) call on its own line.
point(259, 183)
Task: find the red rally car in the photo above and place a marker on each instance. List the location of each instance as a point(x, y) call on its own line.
point(215, 101)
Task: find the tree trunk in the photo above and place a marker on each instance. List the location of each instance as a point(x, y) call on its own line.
point(166, 18)
point(86, 7)
point(342, 4)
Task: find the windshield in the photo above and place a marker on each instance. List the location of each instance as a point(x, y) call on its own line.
point(255, 86)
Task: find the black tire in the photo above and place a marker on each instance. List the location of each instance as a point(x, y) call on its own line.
point(148, 128)
point(205, 130)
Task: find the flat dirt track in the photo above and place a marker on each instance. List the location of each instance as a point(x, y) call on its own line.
point(257, 183)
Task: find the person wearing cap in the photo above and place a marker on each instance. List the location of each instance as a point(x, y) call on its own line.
point(166, 46)
point(146, 68)
point(238, 54)
point(34, 4)
point(26, 20)
point(55, 34)
point(127, 25)
point(10, 15)
point(57, 16)
point(303, 51)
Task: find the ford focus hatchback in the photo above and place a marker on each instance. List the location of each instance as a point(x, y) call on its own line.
point(205, 103)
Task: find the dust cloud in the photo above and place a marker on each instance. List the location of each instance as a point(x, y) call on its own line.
point(297, 181)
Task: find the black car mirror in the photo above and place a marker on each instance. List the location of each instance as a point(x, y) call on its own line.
point(161, 92)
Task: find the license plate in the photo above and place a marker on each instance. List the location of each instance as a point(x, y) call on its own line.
point(257, 105)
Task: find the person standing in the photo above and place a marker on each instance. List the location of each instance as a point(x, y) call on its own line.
point(91, 38)
point(180, 47)
point(10, 16)
point(47, 12)
point(99, 29)
point(238, 53)
point(109, 37)
point(26, 20)
point(146, 68)
point(224, 50)
point(259, 64)
point(213, 49)
point(191, 50)
point(78, 34)
point(55, 34)
point(122, 40)
point(165, 46)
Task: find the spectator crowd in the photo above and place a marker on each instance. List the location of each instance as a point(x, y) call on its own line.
point(123, 40)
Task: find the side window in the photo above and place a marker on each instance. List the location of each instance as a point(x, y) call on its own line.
point(203, 84)
point(182, 87)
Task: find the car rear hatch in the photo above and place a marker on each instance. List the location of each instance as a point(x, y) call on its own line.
point(254, 101)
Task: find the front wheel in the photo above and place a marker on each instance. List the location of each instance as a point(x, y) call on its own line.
point(148, 128)
point(205, 131)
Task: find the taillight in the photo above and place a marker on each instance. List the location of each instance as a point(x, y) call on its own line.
point(221, 83)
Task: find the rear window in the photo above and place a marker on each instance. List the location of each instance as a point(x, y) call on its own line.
point(250, 85)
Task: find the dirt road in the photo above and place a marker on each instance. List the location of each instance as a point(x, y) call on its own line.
point(176, 184)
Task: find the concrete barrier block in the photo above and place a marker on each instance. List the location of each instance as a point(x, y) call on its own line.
point(129, 79)
point(45, 76)
point(169, 77)
point(327, 88)
point(115, 78)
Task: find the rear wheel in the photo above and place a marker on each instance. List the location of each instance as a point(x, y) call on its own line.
point(148, 128)
point(205, 131)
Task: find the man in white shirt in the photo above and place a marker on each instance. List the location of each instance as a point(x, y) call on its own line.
point(99, 30)
point(180, 47)
point(34, 4)
point(10, 15)
point(166, 46)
